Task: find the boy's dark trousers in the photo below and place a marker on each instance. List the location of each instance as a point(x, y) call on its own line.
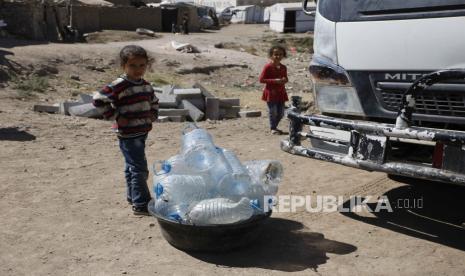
point(136, 171)
point(276, 113)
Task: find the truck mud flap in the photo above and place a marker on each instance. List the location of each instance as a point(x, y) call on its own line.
point(371, 146)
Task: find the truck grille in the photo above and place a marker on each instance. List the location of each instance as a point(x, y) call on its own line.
point(445, 103)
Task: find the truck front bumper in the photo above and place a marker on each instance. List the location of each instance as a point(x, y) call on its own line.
point(369, 146)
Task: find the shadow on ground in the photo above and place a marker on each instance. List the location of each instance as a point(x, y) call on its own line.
point(425, 210)
point(15, 134)
point(285, 245)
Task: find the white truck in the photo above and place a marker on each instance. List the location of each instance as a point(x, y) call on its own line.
point(389, 83)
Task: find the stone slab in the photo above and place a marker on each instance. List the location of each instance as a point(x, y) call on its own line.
point(46, 108)
point(195, 114)
point(249, 114)
point(173, 112)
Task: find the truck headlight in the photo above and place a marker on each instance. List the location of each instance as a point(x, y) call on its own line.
point(333, 90)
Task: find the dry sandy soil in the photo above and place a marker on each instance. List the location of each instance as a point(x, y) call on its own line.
point(62, 186)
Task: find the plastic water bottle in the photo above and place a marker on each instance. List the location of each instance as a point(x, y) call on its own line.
point(234, 186)
point(175, 212)
point(181, 189)
point(174, 165)
point(267, 173)
point(195, 137)
point(220, 211)
point(234, 162)
point(206, 160)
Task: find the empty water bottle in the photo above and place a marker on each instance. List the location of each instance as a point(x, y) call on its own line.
point(171, 211)
point(181, 189)
point(220, 211)
point(234, 186)
point(194, 137)
point(174, 165)
point(207, 160)
point(267, 173)
point(234, 162)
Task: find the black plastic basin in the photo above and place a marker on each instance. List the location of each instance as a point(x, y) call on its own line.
point(211, 238)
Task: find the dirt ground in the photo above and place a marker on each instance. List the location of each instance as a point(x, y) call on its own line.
point(62, 186)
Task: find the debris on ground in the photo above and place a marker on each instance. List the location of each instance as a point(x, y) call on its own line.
point(143, 31)
point(184, 47)
point(176, 105)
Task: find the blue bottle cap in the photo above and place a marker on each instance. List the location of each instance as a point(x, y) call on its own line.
point(158, 190)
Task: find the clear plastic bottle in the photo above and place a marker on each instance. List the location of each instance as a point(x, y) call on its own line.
point(207, 160)
point(267, 173)
point(220, 211)
point(234, 162)
point(182, 189)
point(233, 186)
point(194, 136)
point(175, 212)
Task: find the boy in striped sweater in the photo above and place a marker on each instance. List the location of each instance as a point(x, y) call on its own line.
point(130, 101)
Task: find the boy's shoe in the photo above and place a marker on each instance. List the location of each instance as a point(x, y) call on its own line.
point(140, 211)
point(275, 132)
point(279, 131)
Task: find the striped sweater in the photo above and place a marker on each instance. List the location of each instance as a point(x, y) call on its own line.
point(134, 101)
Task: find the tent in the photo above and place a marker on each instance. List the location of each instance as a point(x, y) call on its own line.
point(289, 17)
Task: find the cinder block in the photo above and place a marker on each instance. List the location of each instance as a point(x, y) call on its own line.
point(163, 119)
point(177, 119)
point(212, 109)
point(85, 110)
point(230, 113)
point(194, 113)
point(173, 112)
point(199, 103)
point(229, 102)
point(46, 108)
point(166, 100)
point(190, 93)
point(168, 89)
point(64, 107)
point(205, 92)
point(252, 113)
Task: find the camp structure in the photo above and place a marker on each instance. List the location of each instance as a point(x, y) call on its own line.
point(247, 14)
point(289, 18)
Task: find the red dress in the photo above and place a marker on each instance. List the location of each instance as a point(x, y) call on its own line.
point(273, 92)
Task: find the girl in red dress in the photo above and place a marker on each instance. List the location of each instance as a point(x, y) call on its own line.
point(274, 76)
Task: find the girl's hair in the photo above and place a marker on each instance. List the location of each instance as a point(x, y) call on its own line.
point(131, 51)
point(277, 47)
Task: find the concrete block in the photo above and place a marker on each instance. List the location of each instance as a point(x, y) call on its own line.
point(212, 109)
point(166, 100)
point(163, 119)
point(86, 98)
point(183, 94)
point(157, 89)
point(168, 89)
point(248, 114)
point(85, 110)
point(198, 102)
point(229, 102)
point(173, 112)
point(205, 92)
point(230, 113)
point(177, 119)
point(64, 107)
point(194, 113)
point(46, 108)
